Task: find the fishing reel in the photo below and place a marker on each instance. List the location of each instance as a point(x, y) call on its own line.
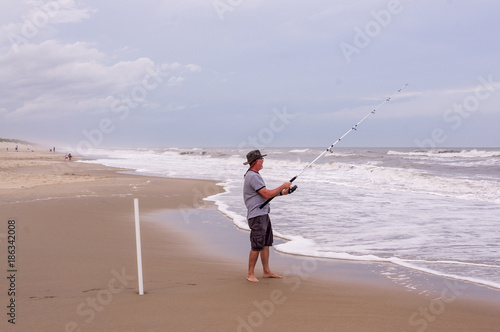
point(291, 190)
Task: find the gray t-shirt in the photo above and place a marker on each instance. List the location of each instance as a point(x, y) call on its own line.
point(253, 183)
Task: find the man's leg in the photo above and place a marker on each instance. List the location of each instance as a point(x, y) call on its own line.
point(264, 257)
point(252, 261)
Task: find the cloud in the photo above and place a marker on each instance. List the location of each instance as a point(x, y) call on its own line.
point(193, 68)
point(51, 107)
point(67, 11)
point(38, 16)
point(65, 59)
point(51, 79)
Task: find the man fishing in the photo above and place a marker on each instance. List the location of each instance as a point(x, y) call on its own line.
point(255, 194)
point(257, 197)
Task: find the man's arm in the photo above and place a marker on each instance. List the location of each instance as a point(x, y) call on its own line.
point(266, 193)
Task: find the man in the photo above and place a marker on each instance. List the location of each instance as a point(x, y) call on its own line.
point(261, 233)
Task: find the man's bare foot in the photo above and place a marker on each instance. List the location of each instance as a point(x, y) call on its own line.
point(272, 275)
point(252, 278)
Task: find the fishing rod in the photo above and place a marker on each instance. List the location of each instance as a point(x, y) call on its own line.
point(355, 127)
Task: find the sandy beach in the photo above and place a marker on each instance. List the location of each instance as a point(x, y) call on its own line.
point(75, 264)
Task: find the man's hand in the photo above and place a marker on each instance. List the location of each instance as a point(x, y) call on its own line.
point(285, 187)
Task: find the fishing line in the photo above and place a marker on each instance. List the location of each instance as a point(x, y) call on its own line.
point(355, 127)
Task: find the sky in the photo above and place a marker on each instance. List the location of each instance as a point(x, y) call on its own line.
point(256, 74)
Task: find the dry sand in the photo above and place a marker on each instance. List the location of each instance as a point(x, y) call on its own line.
point(76, 267)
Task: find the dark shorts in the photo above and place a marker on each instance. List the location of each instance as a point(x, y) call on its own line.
point(261, 232)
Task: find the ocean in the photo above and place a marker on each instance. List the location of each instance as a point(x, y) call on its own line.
point(435, 211)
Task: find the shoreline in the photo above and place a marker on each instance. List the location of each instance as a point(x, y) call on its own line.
point(232, 243)
point(405, 236)
point(76, 256)
point(477, 283)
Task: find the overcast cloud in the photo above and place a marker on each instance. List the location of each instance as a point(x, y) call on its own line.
point(230, 72)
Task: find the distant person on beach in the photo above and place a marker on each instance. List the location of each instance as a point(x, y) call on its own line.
point(261, 233)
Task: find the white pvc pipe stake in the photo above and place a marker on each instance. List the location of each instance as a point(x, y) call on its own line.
point(138, 245)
